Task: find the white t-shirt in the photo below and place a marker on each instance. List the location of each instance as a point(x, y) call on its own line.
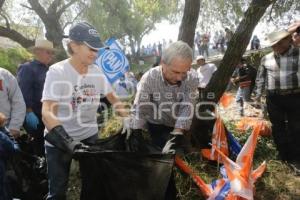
point(78, 96)
point(205, 73)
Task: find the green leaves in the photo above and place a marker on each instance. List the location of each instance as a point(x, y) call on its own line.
point(131, 18)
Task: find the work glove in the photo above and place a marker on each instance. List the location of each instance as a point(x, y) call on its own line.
point(177, 143)
point(126, 127)
point(59, 138)
point(31, 120)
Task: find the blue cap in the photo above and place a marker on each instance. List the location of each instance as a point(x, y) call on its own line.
point(86, 33)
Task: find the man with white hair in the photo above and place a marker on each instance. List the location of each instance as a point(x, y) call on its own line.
point(279, 73)
point(164, 103)
point(31, 77)
point(160, 88)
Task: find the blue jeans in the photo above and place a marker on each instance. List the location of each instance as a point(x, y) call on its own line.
point(243, 93)
point(58, 166)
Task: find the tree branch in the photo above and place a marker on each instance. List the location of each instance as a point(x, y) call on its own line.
point(54, 5)
point(6, 20)
point(40, 11)
point(64, 7)
point(16, 36)
point(68, 23)
point(270, 13)
point(25, 6)
point(1, 4)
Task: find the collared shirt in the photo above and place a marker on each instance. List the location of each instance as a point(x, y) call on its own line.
point(31, 78)
point(279, 72)
point(158, 102)
point(205, 73)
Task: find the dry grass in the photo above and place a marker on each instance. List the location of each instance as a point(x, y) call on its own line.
point(277, 183)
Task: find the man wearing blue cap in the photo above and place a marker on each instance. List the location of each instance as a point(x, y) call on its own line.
point(70, 99)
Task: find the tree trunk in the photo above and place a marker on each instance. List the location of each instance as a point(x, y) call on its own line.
point(138, 52)
point(50, 18)
point(233, 54)
point(237, 46)
point(132, 47)
point(54, 33)
point(1, 3)
point(189, 21)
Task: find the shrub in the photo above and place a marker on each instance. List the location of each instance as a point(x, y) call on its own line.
point(12, 57)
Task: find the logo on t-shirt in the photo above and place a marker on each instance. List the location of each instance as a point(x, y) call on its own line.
point(84, 94)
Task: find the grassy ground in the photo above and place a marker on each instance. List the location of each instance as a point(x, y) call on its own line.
point(277, 183)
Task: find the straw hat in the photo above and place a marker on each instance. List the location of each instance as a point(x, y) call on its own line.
point(42, 44)
point(200, 57)
point(276, 36)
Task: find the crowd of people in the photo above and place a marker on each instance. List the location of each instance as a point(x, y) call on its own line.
point(57, 105)
point(220, 41)
point(205, 43)
point(155, 49)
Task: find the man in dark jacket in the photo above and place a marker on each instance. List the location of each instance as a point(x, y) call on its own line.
point(31, 78)
point(243, 77)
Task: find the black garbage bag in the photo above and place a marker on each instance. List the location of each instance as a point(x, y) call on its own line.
point(26, 176)
point(110, 171)
point(201, 131)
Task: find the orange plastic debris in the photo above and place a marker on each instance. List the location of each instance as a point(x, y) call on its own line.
point(226, 99)
point(205, 189)
point(219, 139)
point(250, 122)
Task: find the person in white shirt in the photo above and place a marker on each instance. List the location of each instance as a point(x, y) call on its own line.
point(12, 103)
point(71, 97)
point(205, 71)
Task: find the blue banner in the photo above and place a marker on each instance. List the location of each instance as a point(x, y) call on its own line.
point(112, 61)
point(234, 145)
